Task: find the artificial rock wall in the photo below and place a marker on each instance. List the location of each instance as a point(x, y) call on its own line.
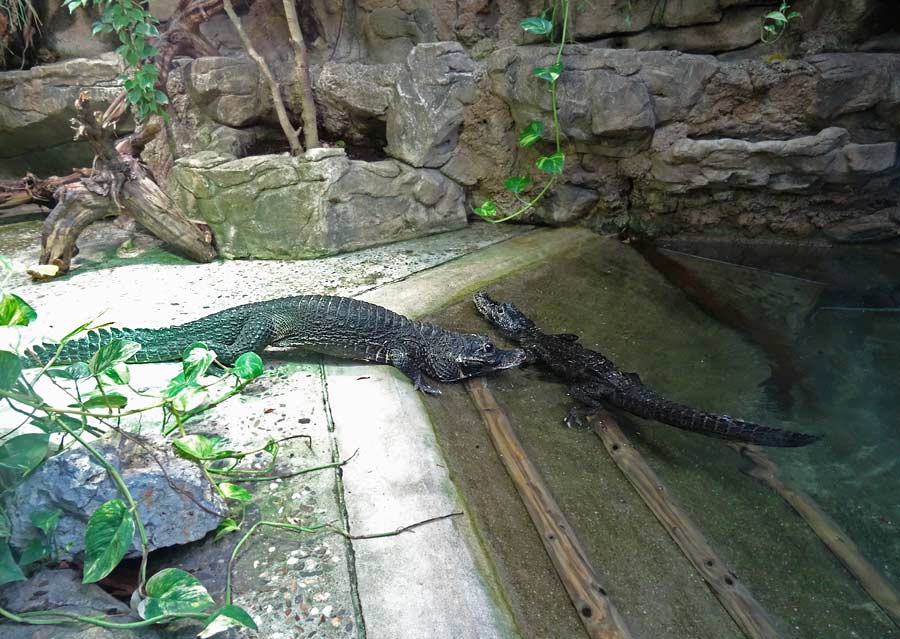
point(720, 134)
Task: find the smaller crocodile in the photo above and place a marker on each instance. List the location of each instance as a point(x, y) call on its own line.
point(595, 381)
point(330, 325)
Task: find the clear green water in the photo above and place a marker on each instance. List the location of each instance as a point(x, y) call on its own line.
point(621, 306)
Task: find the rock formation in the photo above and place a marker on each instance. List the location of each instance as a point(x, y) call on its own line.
point(718, 134)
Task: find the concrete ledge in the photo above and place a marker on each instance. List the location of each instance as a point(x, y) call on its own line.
point(427, 583)
point(438, 582)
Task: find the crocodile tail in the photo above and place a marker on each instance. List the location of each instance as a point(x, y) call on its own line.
point(156, 346)
point(645, 403)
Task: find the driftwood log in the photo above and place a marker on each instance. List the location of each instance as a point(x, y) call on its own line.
point(117, 185)
point(599, 617)
point(34, 190)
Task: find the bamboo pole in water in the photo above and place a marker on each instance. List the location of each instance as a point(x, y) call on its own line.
point(737, 600)
point(831, 534)
point(600, 618)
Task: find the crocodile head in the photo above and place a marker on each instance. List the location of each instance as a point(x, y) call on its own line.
point(505, 317)
point(455, 356)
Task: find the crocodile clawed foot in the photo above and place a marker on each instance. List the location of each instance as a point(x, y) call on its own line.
point(574, 419)
point(428, 390)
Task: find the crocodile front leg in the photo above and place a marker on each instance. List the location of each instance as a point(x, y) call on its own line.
point(401, 359)
point(255, 335)
point(590, 398)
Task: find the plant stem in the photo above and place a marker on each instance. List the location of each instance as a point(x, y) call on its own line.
point(527, 206)
point(29, 401)
point(562, 41)
point(132, 505)
point(35, 618)
point(555, 114)
point(314, 529)
point(313, 469)
point(554, 109)
point(240, 544)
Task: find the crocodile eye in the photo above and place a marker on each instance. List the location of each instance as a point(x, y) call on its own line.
point(488, 348)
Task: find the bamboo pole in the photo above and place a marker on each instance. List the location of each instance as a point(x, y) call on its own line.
point(734, 596)
point(600, 618)
point(828, 530)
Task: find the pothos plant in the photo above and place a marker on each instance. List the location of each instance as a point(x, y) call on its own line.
point(135, 26)
point(775, 23)
point(554, 163)
point(98, 404)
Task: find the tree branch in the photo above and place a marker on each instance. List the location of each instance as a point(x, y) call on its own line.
point(292, 134)
point(307, 103)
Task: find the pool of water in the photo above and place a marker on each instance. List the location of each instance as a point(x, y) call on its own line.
point(843, 367)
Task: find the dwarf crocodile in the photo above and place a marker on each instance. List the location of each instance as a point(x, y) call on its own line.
point(595, 381)
point(338, 326)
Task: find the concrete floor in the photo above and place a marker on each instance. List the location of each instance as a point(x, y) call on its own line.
point(481, 574)
point(435, 582)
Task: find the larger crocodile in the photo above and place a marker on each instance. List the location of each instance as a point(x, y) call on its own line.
point(595, 381)
point(337, 326)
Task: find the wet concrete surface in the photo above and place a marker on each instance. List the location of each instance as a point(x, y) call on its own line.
point(621, 307)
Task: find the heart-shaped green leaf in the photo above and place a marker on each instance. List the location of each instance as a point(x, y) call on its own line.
point(203, 448)
point(171, 591)
point(107, 539)
point(118, 374)
point(550, 74)
point(14, 311)
point(108, 355)
point(10, 367)
point(76, 371)
point(34, 551)
point(532, 133)
point(189, 399)
point(248, 366)
point(20, 455)
point(9, 569)
point(109, 399)
point(539, 26)
point(224, 618)
point(553, 164)
point(517, 183)
point(196, 361)
point(45, 520)
point(233, 491)
point(488, 209)
point(225, 527)
point(51, 424)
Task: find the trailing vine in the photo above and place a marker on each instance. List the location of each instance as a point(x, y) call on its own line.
point(554, 163)
point(97, 389)
point(136, 27)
